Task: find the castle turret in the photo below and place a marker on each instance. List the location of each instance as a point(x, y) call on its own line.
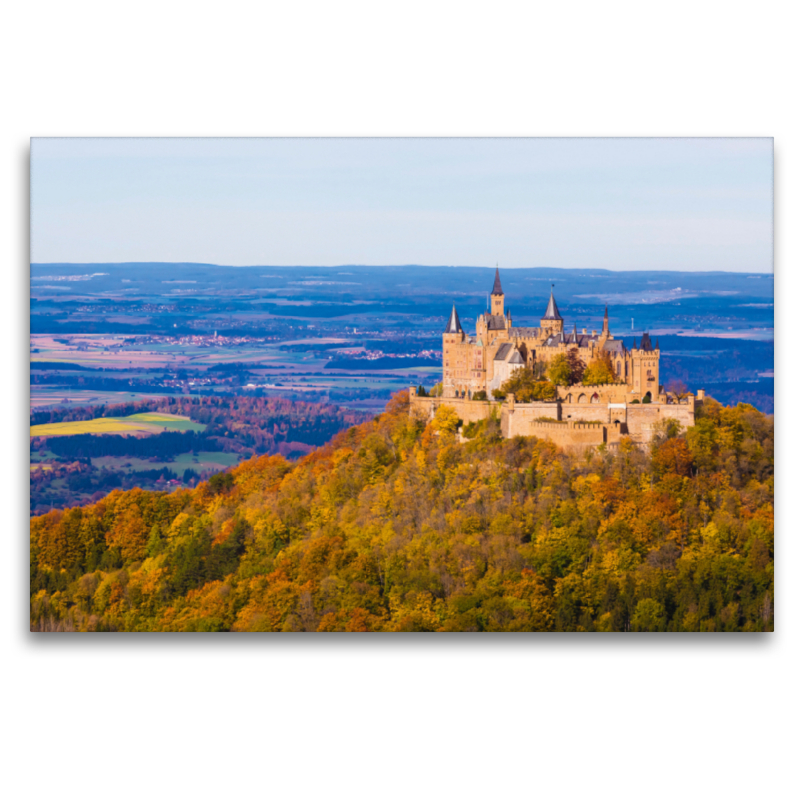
point(498, 298)
point(551, 321)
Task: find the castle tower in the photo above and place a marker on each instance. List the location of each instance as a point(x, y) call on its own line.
point(644, 376)
point(453, 370)
point(498, 298)
point(552, 321)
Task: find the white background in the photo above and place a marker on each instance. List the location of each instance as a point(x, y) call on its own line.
point(565, 716)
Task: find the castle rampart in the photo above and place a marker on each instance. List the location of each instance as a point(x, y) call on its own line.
point(572, 426)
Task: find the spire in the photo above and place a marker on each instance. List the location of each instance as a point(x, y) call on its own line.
point(657, 347)
point(497, 288)
point(575, 333)
point(552, 308)
point(634, 338)
point(454, 323)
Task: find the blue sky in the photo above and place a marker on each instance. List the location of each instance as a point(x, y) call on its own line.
point(673, 204)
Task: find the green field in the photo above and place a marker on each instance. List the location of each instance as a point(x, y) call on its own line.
point(201, 462)
point(148, 423)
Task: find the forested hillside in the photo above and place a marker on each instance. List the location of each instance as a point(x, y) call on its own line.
point(80, 468)
point(396, 526)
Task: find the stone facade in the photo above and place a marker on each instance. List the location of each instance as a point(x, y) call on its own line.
point(573, 426)
point(581, 416)
point(484, 361)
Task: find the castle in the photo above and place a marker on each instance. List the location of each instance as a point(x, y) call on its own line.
point(580, 416)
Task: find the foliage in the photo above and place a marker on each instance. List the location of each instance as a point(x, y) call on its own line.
point(392, 527)
point(445, 420)
point(481, 395)
point(677, 388)
point(559, 371)
point(526, 388)
point(599, 371)
point(576, 366)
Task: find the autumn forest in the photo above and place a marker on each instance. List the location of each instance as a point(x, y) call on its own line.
point(396, 525)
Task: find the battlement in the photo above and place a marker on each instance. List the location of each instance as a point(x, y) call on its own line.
point(571, 425)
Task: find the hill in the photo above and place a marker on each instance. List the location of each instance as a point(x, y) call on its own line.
point(395, 525)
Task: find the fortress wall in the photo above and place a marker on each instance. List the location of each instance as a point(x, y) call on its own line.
point(467, 410)
point(640, 421)
point(588, 412)
point(568, 436)
point(644, 420)
point(515, 420)
point(607, 393)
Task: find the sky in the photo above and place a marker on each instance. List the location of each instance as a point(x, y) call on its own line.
point(619, 204)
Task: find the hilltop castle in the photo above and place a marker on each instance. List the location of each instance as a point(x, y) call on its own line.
point(485, 361)
point(581, 415)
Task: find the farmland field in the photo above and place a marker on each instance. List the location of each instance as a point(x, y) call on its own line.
point(203, 461)
point(148, 423)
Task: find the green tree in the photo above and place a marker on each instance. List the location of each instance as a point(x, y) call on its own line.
point(559, 371)
point(648, 616)
point(526, 388)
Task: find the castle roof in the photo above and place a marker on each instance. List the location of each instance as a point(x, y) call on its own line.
point(495, 322)
point(577, 339)
point(507, 352)
point(646, 344)
point(454, 323)
point(552, 308)
point(613, 345)
point(497, 288)
point(503, 351)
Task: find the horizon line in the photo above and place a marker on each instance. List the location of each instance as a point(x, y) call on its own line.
point(398, 265)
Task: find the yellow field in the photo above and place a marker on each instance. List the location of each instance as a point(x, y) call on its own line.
point(137, 423)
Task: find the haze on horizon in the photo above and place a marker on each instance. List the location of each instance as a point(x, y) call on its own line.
point(619, 204)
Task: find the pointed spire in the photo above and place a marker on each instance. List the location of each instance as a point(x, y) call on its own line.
point(454, 323)
point(497, 288)
point(657, 347)
point(634, 338)
point(605, 316)
point(575, 333)
point(552, 308)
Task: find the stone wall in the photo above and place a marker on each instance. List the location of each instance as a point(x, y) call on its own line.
point(644, 421)
point(571, 427)
point(467, 410)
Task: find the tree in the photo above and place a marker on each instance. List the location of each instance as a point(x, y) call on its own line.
point(526, 388)
point(559, 371)
point(677, 388)
point(599, 371)
point(673, 456)
point(576, 366)
point(445, 420)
